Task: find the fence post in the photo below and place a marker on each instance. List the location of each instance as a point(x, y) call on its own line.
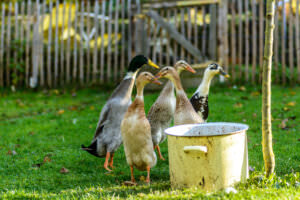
point(213, 32)
point(141, 32)
point(222, 34)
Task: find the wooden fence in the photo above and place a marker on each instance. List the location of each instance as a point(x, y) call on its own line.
point(246, 20)
point(81, 42)
point(64, 43)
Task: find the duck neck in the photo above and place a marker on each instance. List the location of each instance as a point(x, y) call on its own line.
point(177, 83)
point(169, 88)
point(131, 76)
point(203, 88)
point(140, 91)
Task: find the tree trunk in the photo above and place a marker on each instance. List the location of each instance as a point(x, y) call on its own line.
point(268, 154)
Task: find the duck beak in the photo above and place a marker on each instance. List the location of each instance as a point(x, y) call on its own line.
point(190, 69)
point(155, 81)
point(152, 64)
point(224, 74)
point(158, 75)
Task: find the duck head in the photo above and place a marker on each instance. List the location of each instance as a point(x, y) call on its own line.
point(214, 69)
point(182, 65)
point(139, 61)
point(167, 72)
point(145, 78)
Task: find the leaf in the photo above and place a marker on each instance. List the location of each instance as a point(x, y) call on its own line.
point(64, 170)
point(47, 159)
point(283, 125)
point(92, 108)
point(238, 105)
point(56, 92)
point(38, 165)
point(20, 103)
point(73, 108)
point(293, 93)
point(142, 178)
point(256, 93)
point(242, 88)
point(31, 133)
point(129, 183)
point(60, 112)
point(11, 152)
point(286, 109)
point(292, 103)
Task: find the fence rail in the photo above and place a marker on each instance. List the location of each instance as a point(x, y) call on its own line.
point(57, 43)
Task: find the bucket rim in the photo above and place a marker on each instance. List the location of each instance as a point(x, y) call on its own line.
point(245, 128)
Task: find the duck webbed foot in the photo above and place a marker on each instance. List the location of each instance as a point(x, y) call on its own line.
point(159, 153)
point(106, 161)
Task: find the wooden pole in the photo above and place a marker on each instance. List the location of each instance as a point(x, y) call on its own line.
point(267, 147)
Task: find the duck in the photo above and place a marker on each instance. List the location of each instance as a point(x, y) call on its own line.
point(199, 100)
point(162, 111)
point(136, 131)
point(184, 111)
point(107, 138)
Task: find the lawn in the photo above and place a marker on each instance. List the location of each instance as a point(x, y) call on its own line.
point(41, 132)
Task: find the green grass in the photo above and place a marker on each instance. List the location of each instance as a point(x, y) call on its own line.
point(33, 125)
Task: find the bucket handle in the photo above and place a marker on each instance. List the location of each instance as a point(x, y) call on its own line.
point(188, 149)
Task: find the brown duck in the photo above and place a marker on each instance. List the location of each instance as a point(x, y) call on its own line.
point(184, 112)
point(136, 131)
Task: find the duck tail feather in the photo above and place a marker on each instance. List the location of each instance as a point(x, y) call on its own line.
point(92, 149)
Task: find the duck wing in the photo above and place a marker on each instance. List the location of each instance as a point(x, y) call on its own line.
point(200, 105)
point(103, 119)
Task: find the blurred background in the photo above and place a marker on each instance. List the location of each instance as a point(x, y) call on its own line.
point(55, 43)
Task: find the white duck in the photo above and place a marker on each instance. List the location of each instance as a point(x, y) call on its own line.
point(199, 100)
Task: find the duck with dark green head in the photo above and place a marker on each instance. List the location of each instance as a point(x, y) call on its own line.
point(107, 137)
